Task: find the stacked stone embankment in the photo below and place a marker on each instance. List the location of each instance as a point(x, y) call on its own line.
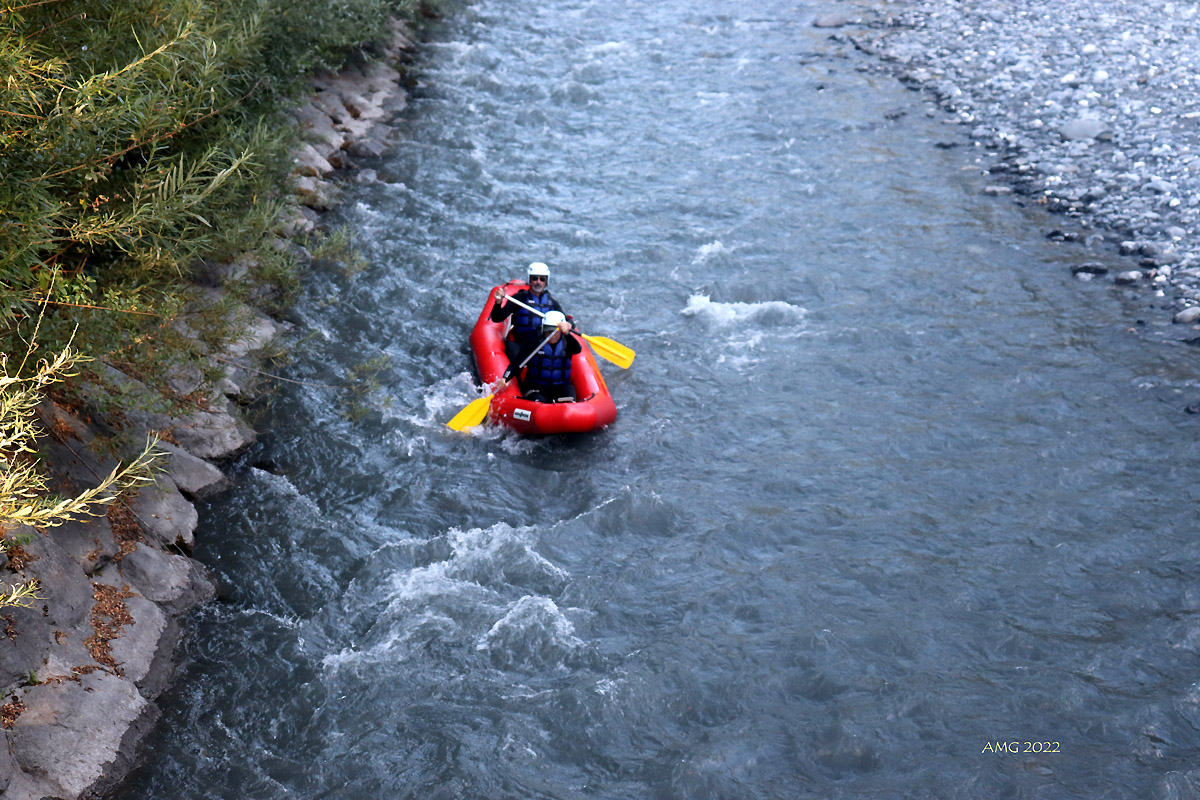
point(81, 669)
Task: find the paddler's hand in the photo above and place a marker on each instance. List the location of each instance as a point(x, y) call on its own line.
point(501, 296)
point(564, 327)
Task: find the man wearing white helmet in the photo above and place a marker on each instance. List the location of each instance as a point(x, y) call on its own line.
point(527, 327)
point(547, 376)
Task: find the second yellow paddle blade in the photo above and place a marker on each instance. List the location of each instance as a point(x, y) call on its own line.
point(475, 413)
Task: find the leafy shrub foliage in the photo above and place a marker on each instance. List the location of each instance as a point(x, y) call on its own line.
point(139, 138)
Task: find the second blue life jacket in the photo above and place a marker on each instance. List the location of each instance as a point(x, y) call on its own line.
point(551, 366)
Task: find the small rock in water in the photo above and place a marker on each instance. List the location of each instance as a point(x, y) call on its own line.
point(1188, 315)
point(1082, 128)
point(833, 20)
point(1128, 277)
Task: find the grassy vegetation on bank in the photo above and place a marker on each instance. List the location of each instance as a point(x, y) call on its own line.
point(143, 139)
point(141, 143)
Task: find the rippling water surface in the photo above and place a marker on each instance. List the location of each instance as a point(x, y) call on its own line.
point(887, 487)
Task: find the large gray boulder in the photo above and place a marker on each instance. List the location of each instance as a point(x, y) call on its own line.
point(90, 543)
point(7, 765)
point(143, 650)
point(47, 636)
point(193, 476)
point(215, 432)
point(176, 583)
point(164, 515)
point(76, 737)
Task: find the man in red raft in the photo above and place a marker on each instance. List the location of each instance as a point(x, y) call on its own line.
point(540, 343)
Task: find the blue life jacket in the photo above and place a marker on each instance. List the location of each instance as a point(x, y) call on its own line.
point(526, 324)
point(551, 366)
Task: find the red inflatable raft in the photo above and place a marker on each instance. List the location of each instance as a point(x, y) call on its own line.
point(593, 410)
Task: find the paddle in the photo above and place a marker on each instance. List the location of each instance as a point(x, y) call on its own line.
point(477, 410)
point(615, 352)
point(475, 413)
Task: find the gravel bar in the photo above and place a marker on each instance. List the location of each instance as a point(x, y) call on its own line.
point(1089, 108)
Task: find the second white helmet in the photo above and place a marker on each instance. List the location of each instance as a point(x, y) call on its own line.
point(538, 268)
point(553, 319)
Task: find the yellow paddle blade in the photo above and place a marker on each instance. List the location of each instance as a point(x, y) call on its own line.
point(475, 413)
point(615, 352)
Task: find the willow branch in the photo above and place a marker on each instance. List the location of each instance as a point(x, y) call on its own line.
point(165, 135)
point(30, 5)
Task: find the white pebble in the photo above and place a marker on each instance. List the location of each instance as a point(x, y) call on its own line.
point(1188, 315)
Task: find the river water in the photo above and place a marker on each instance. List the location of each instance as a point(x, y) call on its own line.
point(890, 494)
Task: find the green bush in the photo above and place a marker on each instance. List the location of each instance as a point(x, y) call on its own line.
point(139, 138)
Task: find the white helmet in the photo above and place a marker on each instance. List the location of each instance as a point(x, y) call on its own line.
point(538, 268)
point(553, 319)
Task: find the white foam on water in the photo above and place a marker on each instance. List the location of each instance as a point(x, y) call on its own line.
point(532, 628)
point(709, 251)
point(394, 646)
point(462, 590)
point(288, 622)
point(512, 442)
point(459, 49)
point(280, 483)
point(738, 362)
point(298, 504)
point(610, 47)
point(770, 312)
point(575, 93)
point(746, 326)
point(508, 551)
point(419, 600)
point(440, 402)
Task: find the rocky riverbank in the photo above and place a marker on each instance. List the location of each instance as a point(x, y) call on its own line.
point(80, 670)
point(1089, 109)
